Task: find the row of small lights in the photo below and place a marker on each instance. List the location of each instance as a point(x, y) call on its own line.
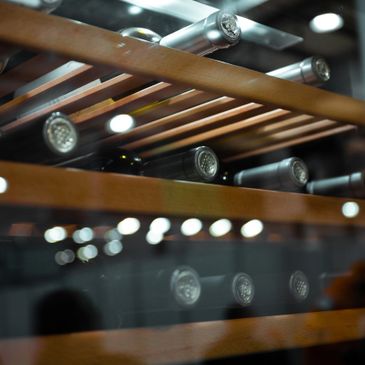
point(129, 226)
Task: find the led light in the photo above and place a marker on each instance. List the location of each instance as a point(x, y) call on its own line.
point(87, 253)
point(112, 234)
point(135, 10)
point(185, 286)
point(252, 228)
point(128, 226)
point(191, 227)
point(325, 23)
point(154, 238)
point(55, 234)
point(220, 227)
point(299, 285)
point(121, 123)
point(350, 209)
point(160, 225)
point(3, 185)
point(112, 248)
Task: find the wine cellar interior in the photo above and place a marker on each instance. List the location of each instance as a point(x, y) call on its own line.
point(182, 182)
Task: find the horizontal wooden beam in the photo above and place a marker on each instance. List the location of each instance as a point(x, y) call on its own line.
point(187, 343)
point(57, 188)
point(85, 43)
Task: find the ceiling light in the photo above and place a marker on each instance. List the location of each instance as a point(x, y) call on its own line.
point(191, 227)
point(3, 185)
point(328, 22)
point(252, 228)
point(220, 227)
point(128, 226)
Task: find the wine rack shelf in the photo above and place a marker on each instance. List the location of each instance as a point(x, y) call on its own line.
point(71, 189)
point(194, 100)
point(189, 342)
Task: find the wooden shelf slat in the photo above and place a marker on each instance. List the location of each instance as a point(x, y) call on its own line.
point(56, 188)
point(186, 343)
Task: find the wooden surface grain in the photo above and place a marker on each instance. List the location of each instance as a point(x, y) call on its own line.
point(188, 342)
point(57, 188)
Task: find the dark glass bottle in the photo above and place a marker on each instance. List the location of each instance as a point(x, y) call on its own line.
point(55, 139)
point(290, 174)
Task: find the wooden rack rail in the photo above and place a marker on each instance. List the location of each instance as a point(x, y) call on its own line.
point(56, 188)
point(236, 111)
point(188, 342)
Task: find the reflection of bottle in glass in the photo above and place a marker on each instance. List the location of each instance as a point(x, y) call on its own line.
point(55, 139)
point(197, 164)
point(168, 289)
point(226, 290)
point(290, 174)
point(218, 30)
point(312, 71)
point(352, 185)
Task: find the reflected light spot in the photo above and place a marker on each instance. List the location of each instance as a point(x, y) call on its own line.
point(87, 253)
point(3, 185)
point(154, 238)
point(191, 227)
point(160, 225)
point(134, 10)
point(128, 226)
point(55, 234)
point(86, 234)
point(112, 235)
point(220, 227)
point(64, 257)
point(120, 124)
point(350, 209)
point(252, 228)
point(325, 23)
point(113, 247)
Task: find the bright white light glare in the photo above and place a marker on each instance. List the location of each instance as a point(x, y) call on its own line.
point(55, 234)
point(191, 227)
point(160, 225)
point(134, 10)
point(154, 238)
point(129, 226)
point(112, 248)
point(86, 234)
point(220, 228)
point(350, 209)
point(3, 185)
point(87, 253)
point(213, 35)
point(252, 228)
point(324, 23)
point(112, 234)
point(121, 123)
point(64, 257)
point(76, 237)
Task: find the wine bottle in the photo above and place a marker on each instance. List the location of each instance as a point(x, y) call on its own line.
point(55, 139)
point(352, 186)
point(312, 71)
point(197, 164)
point(219, 30)
point(227, 290)
point(290, 174)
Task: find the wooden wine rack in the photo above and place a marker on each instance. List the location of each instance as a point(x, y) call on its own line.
point(178, 100)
